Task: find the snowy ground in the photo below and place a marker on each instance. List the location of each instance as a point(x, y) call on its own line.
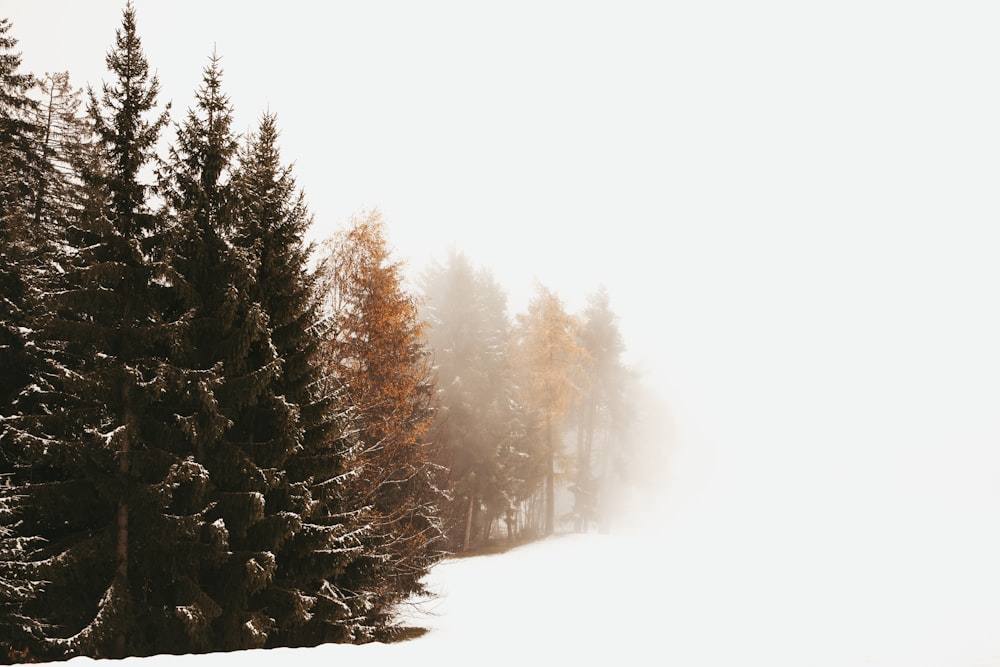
point(589, 599)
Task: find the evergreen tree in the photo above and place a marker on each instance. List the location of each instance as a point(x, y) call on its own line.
point(19, 162)
point(282, 449)
point(19, 158)
point(109, 460)
point(62, 136)
point(222, 352)
point(18, 585)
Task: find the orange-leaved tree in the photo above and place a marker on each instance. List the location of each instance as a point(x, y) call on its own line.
point(551, 367)
point(378, 351)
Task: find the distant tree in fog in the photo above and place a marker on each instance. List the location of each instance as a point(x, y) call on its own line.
point(599, 411)
point(479, 426)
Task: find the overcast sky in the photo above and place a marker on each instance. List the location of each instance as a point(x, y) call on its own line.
point(793, 205)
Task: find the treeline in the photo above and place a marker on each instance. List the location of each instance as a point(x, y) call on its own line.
point(214, 436)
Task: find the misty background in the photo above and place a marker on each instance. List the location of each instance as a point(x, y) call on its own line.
point(793, 208)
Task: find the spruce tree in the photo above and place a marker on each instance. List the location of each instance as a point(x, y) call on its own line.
point(19, 158)
point(111, 465)
point(63, 135)
point(313, 534)
point(223, 350)
point(19, 163)
point(17, 585)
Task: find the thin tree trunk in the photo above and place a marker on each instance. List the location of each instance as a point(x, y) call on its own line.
point(40, 186)
point(128, 417)
point(468, 524)
point(550, 480)
point(580, 467)
point(121, 571)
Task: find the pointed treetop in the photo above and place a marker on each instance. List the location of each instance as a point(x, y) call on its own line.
point(13, 84)
point(129, 139)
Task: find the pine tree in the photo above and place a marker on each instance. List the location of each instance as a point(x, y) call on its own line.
point(17, 585)
point(378, 351)
point(62, 136)
point(19, 162)
point(19, 159)
point(110, 462)
point(223, 336)
point(281, 449)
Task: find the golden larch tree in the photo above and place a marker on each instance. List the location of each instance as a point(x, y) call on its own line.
point(550, 363)
point(379, 353)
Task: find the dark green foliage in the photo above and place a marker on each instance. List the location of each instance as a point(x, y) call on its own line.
point(19, 162)
point(18, 583)
point(222, 332)
point(302, 423)
point(179, 465)
point(103, 450)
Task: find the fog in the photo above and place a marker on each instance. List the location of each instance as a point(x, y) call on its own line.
point(794, 210)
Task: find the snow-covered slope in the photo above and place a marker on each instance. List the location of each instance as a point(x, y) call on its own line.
point(706, 600)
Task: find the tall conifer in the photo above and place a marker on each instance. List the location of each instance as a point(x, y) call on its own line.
point(229, 262)
point(222, 351)
point(108, 456)
point(20, 162)
point(549, 361)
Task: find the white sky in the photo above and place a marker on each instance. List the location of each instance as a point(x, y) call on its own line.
point(793, 205)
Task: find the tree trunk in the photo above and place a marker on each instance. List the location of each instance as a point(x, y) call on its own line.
point(121, 571)
point(550, 480)
point(468, 524)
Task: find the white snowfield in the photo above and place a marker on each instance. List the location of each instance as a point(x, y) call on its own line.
point(707, 601)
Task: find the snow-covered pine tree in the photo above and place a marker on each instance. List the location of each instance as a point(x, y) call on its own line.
point(19, 585)
point(257, 505)
point(19, 163)
point(109, 460)
point(224, 351)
